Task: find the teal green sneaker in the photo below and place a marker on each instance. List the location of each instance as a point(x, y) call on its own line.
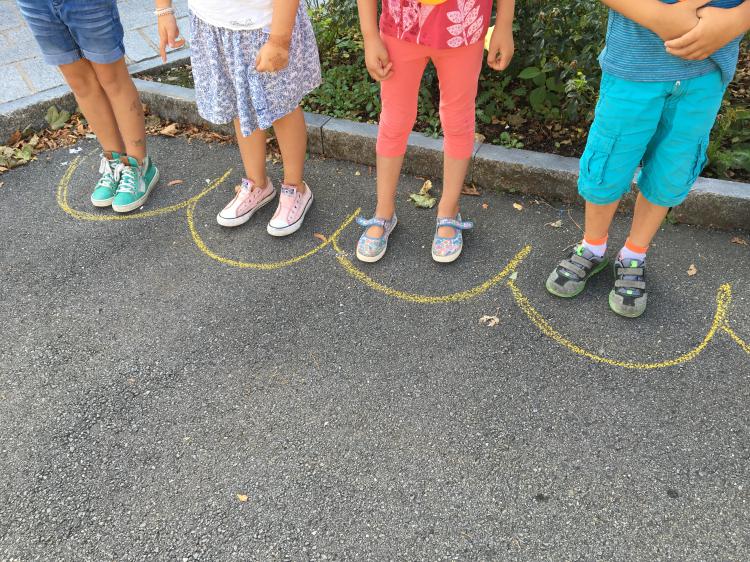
point(106, 187)
point(136, 183)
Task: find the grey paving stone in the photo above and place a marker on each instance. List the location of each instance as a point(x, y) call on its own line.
point(138, 47)
point(42, 76)
point(14, 86)
point(18, 44)
point(9, 15)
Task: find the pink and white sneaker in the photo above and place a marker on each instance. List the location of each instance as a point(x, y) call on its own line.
point(247, 200)
point(290, 213)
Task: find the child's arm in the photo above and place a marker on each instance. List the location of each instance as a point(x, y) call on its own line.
point(274, 55)
point(668, 21)
point(716, 28)
point(501, 48)
point(169, 33)
point(377, 60)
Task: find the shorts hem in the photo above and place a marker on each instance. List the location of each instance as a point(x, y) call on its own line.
point(652, 196)
point(600, 200)
point(105, 58)
point(59, 59)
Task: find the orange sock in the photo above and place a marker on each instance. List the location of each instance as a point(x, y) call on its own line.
point(632, 251)
point(596, 247)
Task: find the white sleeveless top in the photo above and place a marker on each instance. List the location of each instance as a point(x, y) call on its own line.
point(234, 14)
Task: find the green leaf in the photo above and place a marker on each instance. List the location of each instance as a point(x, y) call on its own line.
point(538, 97)
point(52, 115)
point(529, 73)
point(423, 201)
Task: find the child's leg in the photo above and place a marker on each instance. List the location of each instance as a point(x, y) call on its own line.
point(116, 82)
point(94, 104)
point(253, 154)
point(399, 99)
point(458, 73)
point(291, 133)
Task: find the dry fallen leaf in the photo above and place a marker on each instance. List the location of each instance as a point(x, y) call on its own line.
point(485, 206)
point(357, 173)
point(320, 236)
point(2, 183)
point(692, 270)
point(735, 240)
point(518, 206)
point(470, 190)
point(479, 137)
point(175, 182)
point(242, 497)
point(556, 224)
point(489, 321)
point(169, 130)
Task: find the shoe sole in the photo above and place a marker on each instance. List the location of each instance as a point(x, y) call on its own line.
point(102, 202)
point(238, 221)
point(140, 201)
point(371, 259)
point(447, 259)
point(622, 313)
point(594, 272)
point(292, 228)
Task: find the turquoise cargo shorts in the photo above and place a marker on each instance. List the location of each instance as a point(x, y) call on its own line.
point(663, 126)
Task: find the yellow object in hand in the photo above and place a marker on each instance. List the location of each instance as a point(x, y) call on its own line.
point(488, 37)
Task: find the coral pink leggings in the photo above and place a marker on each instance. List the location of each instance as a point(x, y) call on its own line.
point(458, 72)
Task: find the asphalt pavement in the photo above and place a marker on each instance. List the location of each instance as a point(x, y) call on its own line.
point(174, 390)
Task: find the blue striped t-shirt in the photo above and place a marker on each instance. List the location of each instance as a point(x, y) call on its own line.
point(635, 53)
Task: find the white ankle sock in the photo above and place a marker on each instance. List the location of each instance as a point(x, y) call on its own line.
point(597, 249)
point(626, 254)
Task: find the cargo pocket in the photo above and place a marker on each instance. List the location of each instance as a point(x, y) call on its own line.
point(596, 156)
point(701, 158)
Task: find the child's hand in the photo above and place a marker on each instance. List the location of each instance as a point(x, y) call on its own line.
point(678, 19)
point(169, 34)
point(273, 56)
point(716, 28)
point(377, 59)
point(501, 48)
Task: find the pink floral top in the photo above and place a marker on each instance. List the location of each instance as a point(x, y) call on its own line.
point(454, 23)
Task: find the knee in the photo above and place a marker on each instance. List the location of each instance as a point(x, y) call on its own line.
point(458, 120)
point(397, 123)
point(83, 84)
point(112, 83)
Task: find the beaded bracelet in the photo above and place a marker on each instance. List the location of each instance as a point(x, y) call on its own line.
point(164, 11)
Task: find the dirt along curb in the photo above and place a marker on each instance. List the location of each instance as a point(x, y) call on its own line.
point(712, 203)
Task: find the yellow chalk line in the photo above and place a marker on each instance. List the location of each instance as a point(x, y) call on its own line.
point(737, 339)
point(358, 274)
point(258, 265)
point(62, 199)
point(723, 299)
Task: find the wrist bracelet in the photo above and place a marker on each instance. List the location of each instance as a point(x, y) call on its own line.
point(164, 11)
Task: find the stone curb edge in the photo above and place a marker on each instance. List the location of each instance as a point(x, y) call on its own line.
point(711, 203)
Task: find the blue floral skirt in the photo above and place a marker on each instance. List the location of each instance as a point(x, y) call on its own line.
point(228, 86)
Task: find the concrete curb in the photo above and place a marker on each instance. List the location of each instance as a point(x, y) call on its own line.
point(712, 203)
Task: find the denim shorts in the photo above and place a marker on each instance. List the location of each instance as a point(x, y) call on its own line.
point(69, 30)
point(663, 126)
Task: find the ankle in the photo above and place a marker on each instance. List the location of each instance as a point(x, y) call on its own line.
point(448, 210)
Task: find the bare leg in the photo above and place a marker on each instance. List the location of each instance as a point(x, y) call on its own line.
point(291, 133)
point(454, 175)
point(647, 219)
point(253, 153)
point(94, 104)
point(388, 171)
point(126, 104)
point(598, 219)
